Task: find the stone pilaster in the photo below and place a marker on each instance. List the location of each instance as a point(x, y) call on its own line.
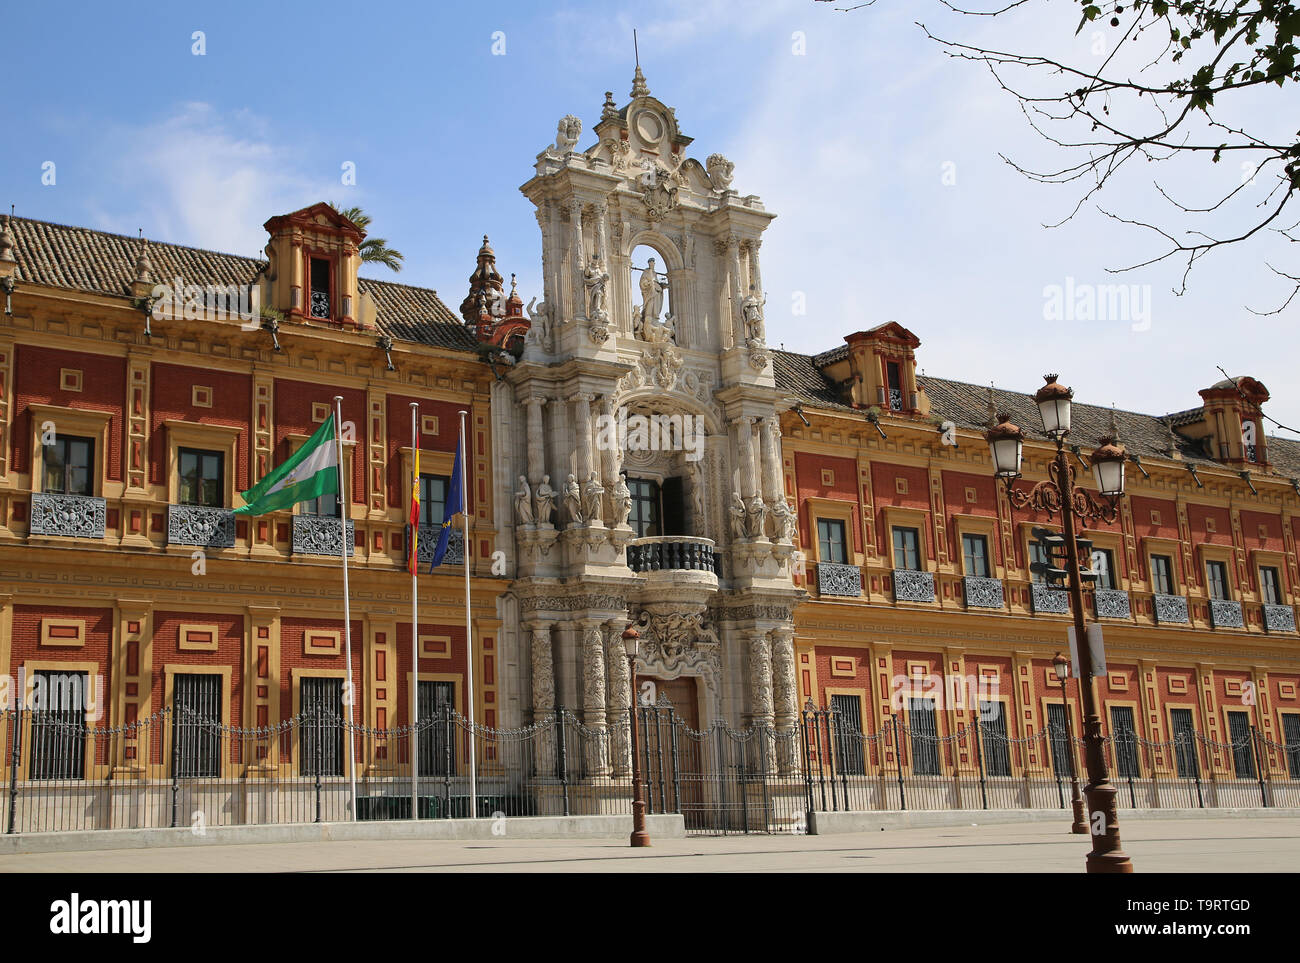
point(536, 442)
point(770, 447)
point(618, 698)
point(582, 421)
point(760, 679)
point(785, 698)
point(593, 696)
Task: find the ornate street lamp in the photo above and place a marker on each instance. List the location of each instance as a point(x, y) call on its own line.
point(639, 835)
point(1061, 666)
point(1059, 494)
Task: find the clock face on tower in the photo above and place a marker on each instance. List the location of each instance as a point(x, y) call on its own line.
point(650, 127)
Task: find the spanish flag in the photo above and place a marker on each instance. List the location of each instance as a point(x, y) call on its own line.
point(413, 562)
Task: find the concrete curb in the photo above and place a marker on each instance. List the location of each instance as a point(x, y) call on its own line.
point(825, 823)
point(667, 826)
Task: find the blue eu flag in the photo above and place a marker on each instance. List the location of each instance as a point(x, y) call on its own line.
point(455, 505)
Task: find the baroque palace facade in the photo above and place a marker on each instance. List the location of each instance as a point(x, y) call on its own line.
point(780, 528)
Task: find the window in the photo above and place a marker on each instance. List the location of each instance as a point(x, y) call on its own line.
point(320, 287)
point(645, 507)
point(1216, 574)
point(1126, 754)
point(1243, 748)
point(1037, 556)
point(1270, 586)
point(925, 737)
point(59, 724)
point(1162, 575)
point(848, 734)
point(196, 724)
point(993, 739)
point(1291, 737)
point(433, 499)
point(975, 552)
point(830, 541)
point(437, 751)
point(202, 478)
point(1184, 743)
point(70, 466)
point(320, 742)
point(1060, 735)
point(1103, 563)
point(895, 376)
point(907, 549)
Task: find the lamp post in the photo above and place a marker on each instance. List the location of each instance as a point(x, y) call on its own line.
point(1061, 666)
point(639, 836)
point(1059, 494)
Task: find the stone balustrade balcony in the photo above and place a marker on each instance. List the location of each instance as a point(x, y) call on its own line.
point(672, 553)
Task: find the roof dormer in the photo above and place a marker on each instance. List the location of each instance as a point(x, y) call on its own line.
point(882, 366)
point(314, 256)
point(1234, 421)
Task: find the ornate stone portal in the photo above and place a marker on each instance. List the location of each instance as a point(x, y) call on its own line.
point(649, 396)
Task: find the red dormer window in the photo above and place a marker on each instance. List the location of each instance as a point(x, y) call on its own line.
point(321, 301)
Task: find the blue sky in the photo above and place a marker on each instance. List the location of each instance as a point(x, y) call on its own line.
point(878, 154)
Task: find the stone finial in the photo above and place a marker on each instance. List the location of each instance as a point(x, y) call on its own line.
point(993, 409)
point(6, 241)
point(639, 88)
point(143, 266)
point(1114, 428)
point(609, 110)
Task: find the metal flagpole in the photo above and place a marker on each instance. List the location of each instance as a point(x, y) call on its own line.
point(413, 694)
point(469, 632)
point(349, 693)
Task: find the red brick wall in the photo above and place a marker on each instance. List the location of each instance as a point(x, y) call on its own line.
point(27, 638)
point(172, 394)
point(808, 472)
point(454, 665)
point(229, 652)
point(36, 381)
point(293, 402)
point(399, 436)
point(292, 657)
point(885, 494)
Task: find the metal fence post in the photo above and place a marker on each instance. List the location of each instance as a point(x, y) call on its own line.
point(176, 757)
point(448, 747)
point(320, 753)
point(807, 759)
point(677, 775)
point(821, 755)
point(15, 723)
point(561, 758)
point(1259, 765)
point(979, 758)
point(898, 763)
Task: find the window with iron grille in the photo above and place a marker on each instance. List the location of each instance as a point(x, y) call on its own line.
point(645, 507)
point(1162, 575)
point(196, 724)
point(1270, 585)
point(1103, 563)
point(202, 478)
point(1217, 579)
point(1243, 749)
point(1126, 753)
point(69, 466)
point(925, 734)
point(1291, 737)
point(848, 734)
point(1056, 721)
point(975, 553)
point(895, 375)
point(437, 751)
point(830, 541)
point(907, 554)
point(320, 743)
point(321, 287)
point(993, 739)
point(1185, 752)
point(59, 702)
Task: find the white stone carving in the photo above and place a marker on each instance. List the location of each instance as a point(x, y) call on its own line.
point(752, 310)
point(593, 497)
point(524, 503)
point(755, 516)
point(622, 501)
point(573, 500)
point(540, 327)
point(652, 298)
point(545, 498)
point(720, 171)
point(738, 516)
point(567, 133)
point(784, 521)
point(596, 279)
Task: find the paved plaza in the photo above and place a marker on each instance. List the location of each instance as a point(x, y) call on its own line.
point(1155, 845)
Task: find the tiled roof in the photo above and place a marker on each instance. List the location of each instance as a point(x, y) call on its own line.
point(967, 406)
point(97, 262)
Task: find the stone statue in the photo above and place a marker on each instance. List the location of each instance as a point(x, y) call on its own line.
point(652, 297)
point(567, 133)
point(622, 501)
point(737, 512)
point(545, 496)
point(757, 515)
point(752, 310)
point(720, 172)
point(784, 521)
point(524, 503)
point(596, 278)
point(540, 318)
point(573, 499)
point(593, 497)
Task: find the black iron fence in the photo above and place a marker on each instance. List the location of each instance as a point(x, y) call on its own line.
point(178, 768)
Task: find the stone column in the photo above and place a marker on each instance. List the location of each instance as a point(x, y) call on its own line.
point(760, 679)
point(769, 443)
point(608, 454)
point(543, 696)
point(786, 701)
point(745, 455)
point(582, 422)
point(536, 442)
point(755, 275)
point(593, 698)
point(737, 295)
point(575, 236)
point(618, 699)
point(602, 244)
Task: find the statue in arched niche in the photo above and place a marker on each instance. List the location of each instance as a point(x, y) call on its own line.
point(650, 328)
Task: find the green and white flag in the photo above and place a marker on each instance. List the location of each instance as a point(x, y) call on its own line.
point(309, 473)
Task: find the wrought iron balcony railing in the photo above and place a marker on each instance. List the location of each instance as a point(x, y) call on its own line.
point(982, 593)
point(672, 553)
point(1047, 600)
point(205, 527)
point(836, 579)
point(1170, 609)
point(1279, 618)
point(1111, 604)
point(429, 541)
point(319, 535)
point(1226, 614)
point(913, 586)
point(73, 516)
